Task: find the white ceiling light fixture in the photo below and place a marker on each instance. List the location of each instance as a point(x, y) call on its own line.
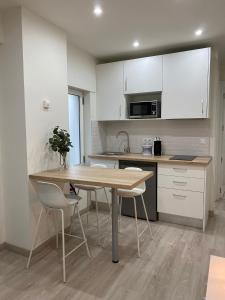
point(198, 32)
point(136, 44)
point(98, 10)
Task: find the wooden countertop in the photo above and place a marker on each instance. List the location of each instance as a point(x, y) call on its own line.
point(216, 279)
point(114, 178)
point(199, 160)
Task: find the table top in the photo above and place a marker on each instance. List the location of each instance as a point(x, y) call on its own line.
point(114, 178)
point(216, 279)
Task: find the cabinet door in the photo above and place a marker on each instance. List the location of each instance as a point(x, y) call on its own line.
point(186, 84)
point(143, 75)
point(110, 98)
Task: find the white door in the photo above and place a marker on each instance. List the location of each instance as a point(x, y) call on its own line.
point(143, 75)
point(110, 98)
point(186, 84)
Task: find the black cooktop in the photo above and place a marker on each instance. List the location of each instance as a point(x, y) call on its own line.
point(183, 157)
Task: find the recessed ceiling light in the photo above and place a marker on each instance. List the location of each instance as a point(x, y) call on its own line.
point(198, 32)
point(98, 10)
point(136, 44)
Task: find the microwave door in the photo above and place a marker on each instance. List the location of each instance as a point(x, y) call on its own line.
point(140, 109)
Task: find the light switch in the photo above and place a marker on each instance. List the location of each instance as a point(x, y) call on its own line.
point(46, 104)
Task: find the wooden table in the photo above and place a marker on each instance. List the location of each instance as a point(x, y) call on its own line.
point(112, 178)
point(216, 279)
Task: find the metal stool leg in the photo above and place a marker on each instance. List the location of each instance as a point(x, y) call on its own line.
point(88, 203)
point(63, 246)
point(72, 218)
point(96, 208)
point(82, 229)
point(35, 237)
point(146, 215)
point(56, 229)
point(136, 223)
point(107, 199)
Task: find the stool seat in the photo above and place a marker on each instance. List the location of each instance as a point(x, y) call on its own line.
point(72, 198)
point(87, 187)
point(130, 193)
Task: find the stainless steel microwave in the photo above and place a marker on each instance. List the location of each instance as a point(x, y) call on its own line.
point(144, 109)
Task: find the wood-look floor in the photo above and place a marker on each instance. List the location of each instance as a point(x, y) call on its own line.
point(173, 267)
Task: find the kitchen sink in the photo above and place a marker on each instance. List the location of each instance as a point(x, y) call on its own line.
point(113, 153)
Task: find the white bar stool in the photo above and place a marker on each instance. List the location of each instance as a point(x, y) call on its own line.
point(52, 197)
point(135, 192)
point(89, 189)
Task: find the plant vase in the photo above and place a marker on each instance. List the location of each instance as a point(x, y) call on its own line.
point(63, 163)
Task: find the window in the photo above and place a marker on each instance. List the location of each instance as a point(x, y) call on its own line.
point(75, 127)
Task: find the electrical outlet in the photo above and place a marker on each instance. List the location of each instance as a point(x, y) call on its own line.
point(203, 141)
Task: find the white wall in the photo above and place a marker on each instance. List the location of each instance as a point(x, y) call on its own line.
point(14, 160)
point(81, 69)
point(45, 77)
point(34, 57)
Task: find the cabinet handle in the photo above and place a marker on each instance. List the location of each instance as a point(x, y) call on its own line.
point(126, 84)
point(120, 111)
point(180, 169)
point(202, 107)
point(180, 196)
point(179, 182)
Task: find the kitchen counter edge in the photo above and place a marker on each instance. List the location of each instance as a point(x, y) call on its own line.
point(199, 160)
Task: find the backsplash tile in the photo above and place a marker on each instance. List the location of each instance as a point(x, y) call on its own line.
point(98, 136)
point(190, 137)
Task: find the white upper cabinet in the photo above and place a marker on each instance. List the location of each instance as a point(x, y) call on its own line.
point(143, 75)
point(186, 84)
point(110, 97)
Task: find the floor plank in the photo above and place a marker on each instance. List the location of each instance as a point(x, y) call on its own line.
point(173, 266)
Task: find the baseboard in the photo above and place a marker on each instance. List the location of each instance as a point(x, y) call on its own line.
point(39, 248)
point(2, 246)
point(197, 223)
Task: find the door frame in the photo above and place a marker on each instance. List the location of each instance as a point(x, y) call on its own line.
point(78, 93)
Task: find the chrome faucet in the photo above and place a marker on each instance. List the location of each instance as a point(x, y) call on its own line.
point(126, 149)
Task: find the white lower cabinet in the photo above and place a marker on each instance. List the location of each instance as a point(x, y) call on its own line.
point(181, 183)
point(181, 203)
point(182, 191)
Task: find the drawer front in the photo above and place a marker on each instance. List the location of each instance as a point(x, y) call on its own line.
point(181, 170)
point(180, 203)
point(181, 183)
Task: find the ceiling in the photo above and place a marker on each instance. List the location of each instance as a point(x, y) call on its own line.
point(159, 25)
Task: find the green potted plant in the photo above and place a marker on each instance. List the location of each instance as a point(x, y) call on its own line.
point(60, 142)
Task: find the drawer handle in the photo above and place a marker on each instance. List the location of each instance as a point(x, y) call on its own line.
point(179, 182)
point(180, 169)
point(180, 196)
